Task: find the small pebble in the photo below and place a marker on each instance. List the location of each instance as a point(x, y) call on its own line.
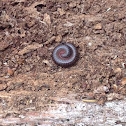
point(58, 38)
point(89, 44)
point(118, 70)
point(123, 65)
point(98, 26)
point(10, 72)
point(123, 81)
point(46, 62)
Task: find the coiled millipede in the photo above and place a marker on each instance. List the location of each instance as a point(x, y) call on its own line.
point(65, 54)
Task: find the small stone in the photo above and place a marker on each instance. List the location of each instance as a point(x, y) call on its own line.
point(108, 9)
point(58, 38)
point(98, 26)
point(89, 44)
point(22, 116)
point(46, 62)
point(123, 65)
point(5, 63)
point(123, 82)
point(114, 87)
point(10, 72)
point(3, 46)
point(118, 70)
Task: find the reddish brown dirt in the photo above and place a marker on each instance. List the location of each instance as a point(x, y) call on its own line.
point(29, 31)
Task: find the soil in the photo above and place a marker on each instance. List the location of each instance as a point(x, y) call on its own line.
point(31, 29)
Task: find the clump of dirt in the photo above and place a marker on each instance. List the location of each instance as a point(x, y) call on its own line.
point(30, 29)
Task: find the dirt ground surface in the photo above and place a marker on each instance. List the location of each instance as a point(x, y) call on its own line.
point(31, 29)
